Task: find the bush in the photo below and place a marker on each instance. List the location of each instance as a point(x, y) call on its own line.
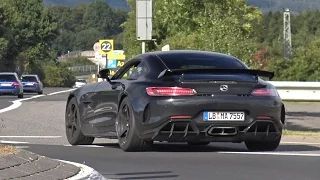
point(56, 76)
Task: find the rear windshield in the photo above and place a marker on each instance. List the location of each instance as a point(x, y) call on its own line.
point(7, 78)
point(173, 61)
point(29, 78)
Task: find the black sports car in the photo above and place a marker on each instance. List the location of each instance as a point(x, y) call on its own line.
point(196, 97)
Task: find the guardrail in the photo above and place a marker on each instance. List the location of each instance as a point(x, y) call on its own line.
point(298, 91)
point(84, 69)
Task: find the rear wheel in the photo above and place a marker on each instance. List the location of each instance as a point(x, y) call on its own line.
point(40, 92)
point(72, 121)
point(20, 95)
point(263, 145)
point(198, 143)
point(126, 131)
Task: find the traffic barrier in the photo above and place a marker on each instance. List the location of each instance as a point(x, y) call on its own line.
point(298, 91)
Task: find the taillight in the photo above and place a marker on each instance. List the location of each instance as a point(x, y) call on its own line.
point(170, 91)
point(36, 83)
point(265, 92)
point(16, 84)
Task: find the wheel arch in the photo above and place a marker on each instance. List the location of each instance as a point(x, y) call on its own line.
point(121, 98)
point(283, 114)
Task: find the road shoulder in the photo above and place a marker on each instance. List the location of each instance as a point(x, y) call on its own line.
point(27, 165)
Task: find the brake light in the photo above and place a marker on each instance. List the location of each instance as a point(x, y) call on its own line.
point(16, 84)
point(170, 91)
point(265, 92)
point(36, 83)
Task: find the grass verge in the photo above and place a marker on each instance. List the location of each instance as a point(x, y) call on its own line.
point(6, 150)
point(300, 133)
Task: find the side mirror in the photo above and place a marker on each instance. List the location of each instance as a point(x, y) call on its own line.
point(104, 74)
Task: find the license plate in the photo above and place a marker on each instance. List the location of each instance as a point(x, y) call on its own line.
point(29, 84)
point(223, 116)
point(6, 84)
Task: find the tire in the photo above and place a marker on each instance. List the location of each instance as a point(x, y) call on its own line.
point(20, 96)
point(263, 145)
point(72, 122)
point(128, 138)
point(198, 143)
point(40, 92)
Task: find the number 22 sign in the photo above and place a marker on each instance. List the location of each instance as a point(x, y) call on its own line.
point(106, 46)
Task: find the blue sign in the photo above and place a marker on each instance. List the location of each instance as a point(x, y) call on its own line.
point(112, 63)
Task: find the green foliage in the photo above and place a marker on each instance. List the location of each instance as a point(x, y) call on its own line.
point(75, 61)
point(27, 28)
point(83, 25)
point(223, 26)
point(265, 5)
point(57, 76)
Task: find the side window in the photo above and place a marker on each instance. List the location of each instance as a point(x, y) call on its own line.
point(138, 71)
point(127, 72)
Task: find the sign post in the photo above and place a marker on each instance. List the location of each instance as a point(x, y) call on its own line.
point(144, 22)
point(106, 47)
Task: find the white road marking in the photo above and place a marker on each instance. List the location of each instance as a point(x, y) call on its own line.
point(17, 103)
point(22, 147)
point(306, 143)
point(58, 92)
point(13, 142)
point(272, 153)
point(86, 172)
point(44, 137)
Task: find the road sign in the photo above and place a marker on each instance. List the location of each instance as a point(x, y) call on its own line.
point(144, 19)
point(96, 47)
point(106, 46)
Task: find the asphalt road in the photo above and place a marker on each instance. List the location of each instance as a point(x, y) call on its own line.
point(38, 125)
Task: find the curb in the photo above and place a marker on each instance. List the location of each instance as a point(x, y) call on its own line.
point(86, 172)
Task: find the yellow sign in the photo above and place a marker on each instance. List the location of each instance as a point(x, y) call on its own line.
point(116, 56)
point(120, 63)
point(106, 46)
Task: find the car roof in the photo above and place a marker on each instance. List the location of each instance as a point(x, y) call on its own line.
point(186, 52)
point(8, 73)
point(29, 75)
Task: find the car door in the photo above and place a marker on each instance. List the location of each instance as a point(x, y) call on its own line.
point(107, 95)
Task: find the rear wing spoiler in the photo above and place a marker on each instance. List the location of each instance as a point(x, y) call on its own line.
point(170, 72)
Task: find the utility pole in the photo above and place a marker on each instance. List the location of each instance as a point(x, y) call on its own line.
point(287, 46)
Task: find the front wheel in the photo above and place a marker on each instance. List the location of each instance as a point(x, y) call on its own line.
point(72, 122)
point(126, 131)
point(263, 145)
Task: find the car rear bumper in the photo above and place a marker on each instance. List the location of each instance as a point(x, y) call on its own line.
point(188, 130)
point(159, 126)
point(10, 91)
point(31, 89)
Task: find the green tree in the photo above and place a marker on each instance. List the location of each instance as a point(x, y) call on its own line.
point(225, 26)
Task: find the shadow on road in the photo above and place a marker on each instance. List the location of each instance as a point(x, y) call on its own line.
point(295, 127)
point(303, 114)
point(144, 175)
point(215, 147)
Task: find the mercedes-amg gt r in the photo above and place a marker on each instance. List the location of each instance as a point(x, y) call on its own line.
point(195, 97)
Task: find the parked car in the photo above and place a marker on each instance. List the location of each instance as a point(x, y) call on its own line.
point(10, 84)
point(32, 83)
point(80, 82)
